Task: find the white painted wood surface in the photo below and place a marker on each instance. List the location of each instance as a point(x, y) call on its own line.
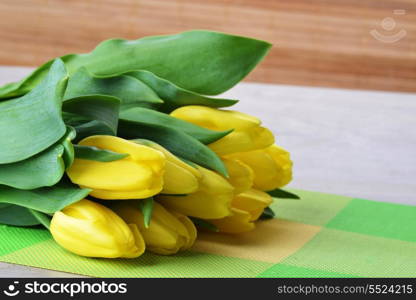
point(353, 143)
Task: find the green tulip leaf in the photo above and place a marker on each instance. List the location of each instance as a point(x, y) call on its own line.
point(49, 166)
point(32, 123)
point(204, 62)
point(174, 96)
point(85, 127)
point(43, 219)
point(92, 128)
point(69, 154)
point(149, 116)
point(279, 193)
point(43, 169)
point(100, 108)
point(22, 87)
point(131, 91)
point(47, 199)
point(97, 154)
point(16, 216)
point(72, 120)
point(267, 214)
point(200, 223)
point(177, 142)
point(151, 143)
point(146, 207)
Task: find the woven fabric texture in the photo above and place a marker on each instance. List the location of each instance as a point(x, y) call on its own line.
point(319, 236)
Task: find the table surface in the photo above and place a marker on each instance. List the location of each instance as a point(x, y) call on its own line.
point(352, 143)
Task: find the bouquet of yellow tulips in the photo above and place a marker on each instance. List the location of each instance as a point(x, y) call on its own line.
point(119, 150)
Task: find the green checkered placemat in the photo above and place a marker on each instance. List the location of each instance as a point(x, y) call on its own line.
point(319, 236)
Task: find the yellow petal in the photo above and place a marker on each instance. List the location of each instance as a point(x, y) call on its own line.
point(215, 119)
point(153, 189)
point(247, 133)
point(240, 175)
point(140, 175)
point(115, 175)
point(172, 158)
point(252, 201)
point(199, 204)
point(179, 177)
point(241, 141)
point(136, 151)
point(178, 180)
point(238, 222)
point(272, 167)
point(89, 229)
point(192, 232)
point(211, 201)
point(282, 159)
point(165, 235)
point(139, 241)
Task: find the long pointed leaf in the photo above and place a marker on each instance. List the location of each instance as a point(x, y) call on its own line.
point(46, 200)
point(279, 193)
point(174, 96)
point(205, 62)
point(149, 116)
point(104, 109)
point(97, 154)
point(85, 127)
point(32, 123)
point(68, 155)
point(131, 91)
point(200, 223)
point(92, 128)
point(178, 142)
point(43, 219)
point(146, 207)
point(43, 169)
point(17, 216)
point(267, 214)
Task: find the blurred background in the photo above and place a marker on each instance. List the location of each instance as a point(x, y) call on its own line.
point(357, 44)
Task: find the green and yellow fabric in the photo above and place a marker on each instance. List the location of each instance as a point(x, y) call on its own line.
point(321, 235)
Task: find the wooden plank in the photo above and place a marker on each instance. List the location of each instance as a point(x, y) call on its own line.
point(318, 43)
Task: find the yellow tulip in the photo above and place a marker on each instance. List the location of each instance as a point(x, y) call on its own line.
point(248, 133)
point(272, 167)
point(137, 176)
point(89, 229)
point(211, 201)
point(238, 222)
point(252, 201)
point(240, 175)
point(246, 208)
point(167, 233)
point(179, 177)
point(190, 226)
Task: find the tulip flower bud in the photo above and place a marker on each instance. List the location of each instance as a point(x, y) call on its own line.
point(167, 233)
point(137, 176)
point(238, 222)
point(179, 177)
point(252, 201)
point(272, 167)
point(246, 208)
point(240, 175)
point(190, 226)
point(211, 201)
point(248, 135)
point(89, 229)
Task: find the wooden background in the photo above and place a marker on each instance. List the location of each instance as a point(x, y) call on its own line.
point(317, 42)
